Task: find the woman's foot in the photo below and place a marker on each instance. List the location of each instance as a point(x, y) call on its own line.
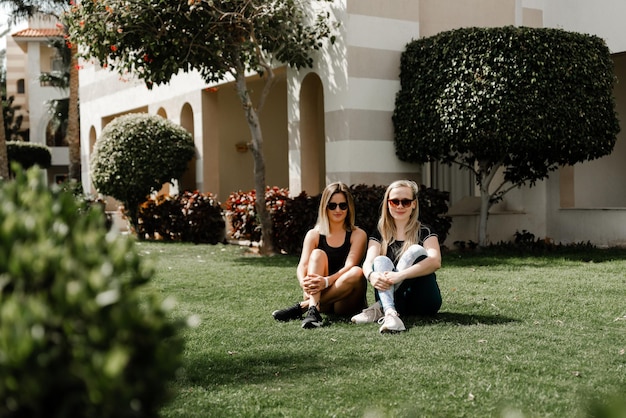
point(288, 314)
point(313, 318)
point(391, 322)
point(371, 314)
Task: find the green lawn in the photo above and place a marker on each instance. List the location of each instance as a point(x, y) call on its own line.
point(516, 337)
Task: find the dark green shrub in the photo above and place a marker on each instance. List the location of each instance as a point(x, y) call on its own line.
point(188, 217)
point(28, 154)
point(204, 218)
point(292, 218)
point(135, 155)
point(367, 202)
point(433, 207)
point(159, 218)
point(78, 335)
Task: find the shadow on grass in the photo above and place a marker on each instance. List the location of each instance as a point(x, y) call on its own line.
point(455, 318)
point(239, 368)
point(272, 261)
point(449, 318)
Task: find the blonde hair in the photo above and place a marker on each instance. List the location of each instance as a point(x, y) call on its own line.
point(322, 225)
point(387, 226)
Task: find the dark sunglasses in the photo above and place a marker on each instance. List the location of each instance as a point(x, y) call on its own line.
point(405, 202)
point(333, 205)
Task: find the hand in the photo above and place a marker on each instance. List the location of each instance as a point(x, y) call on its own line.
point(380, 281)
point(313, 283)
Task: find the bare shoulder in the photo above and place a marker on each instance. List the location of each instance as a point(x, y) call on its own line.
point(359, 234)
point(312, 235)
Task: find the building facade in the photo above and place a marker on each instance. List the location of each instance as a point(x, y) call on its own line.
point(28, 56)
point(333, 122)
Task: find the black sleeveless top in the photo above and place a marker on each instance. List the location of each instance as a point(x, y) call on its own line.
point(336, 255)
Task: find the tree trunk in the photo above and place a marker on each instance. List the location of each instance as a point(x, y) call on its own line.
point(484, 214)
point(73, 129)
point(252, 117)
point(487, 175)
point(4, 158)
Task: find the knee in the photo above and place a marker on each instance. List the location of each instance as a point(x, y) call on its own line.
point(383, 263)
point(353, 277)
point(318, 255)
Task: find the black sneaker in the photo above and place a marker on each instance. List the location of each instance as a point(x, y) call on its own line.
point(313, 319)
point(288, 314)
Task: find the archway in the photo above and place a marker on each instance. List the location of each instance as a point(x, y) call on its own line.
point(312, 135)
point(188, 179)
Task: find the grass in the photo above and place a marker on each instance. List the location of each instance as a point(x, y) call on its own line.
point(537, 336)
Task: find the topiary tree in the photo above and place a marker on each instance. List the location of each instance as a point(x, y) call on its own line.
point(135, 155)
point(519, 101)
point(79, 336)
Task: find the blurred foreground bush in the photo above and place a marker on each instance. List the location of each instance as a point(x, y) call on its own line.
point(77, 337)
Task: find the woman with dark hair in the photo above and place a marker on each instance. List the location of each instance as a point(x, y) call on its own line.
point(402, 257)
point(329, 271)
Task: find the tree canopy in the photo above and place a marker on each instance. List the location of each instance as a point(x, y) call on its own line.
point(157, 39)
point(516, 100)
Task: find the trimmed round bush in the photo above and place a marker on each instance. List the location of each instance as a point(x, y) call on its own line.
point(28, 154)
point(79, 336)
point(136, 154)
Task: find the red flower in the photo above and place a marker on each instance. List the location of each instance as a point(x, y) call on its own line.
point(113, 48)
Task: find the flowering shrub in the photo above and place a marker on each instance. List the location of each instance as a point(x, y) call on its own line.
point(188, 217)
point(241, 211)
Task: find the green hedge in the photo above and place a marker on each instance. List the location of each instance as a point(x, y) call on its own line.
point(28, 154)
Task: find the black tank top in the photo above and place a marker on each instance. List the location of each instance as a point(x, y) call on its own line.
point(336, 255)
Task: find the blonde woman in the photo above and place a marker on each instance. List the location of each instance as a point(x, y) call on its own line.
point(329, 271)
point(402, 257)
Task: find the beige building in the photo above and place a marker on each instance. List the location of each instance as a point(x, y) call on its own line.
point(333, 122)
point(28, 55)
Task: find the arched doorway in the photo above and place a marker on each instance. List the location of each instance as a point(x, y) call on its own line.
point(188, 180)
point(312, 135)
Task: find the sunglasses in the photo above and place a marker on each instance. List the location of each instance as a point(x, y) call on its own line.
point(333, 205)
point(396, 202)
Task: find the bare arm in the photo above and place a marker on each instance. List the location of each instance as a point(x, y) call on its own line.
point(376, 278)
point(311, 241)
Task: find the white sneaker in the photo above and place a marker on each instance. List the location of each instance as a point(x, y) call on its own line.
point(371, 314)
point(391, 322)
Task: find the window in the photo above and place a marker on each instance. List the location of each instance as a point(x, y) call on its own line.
point(21, 87)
